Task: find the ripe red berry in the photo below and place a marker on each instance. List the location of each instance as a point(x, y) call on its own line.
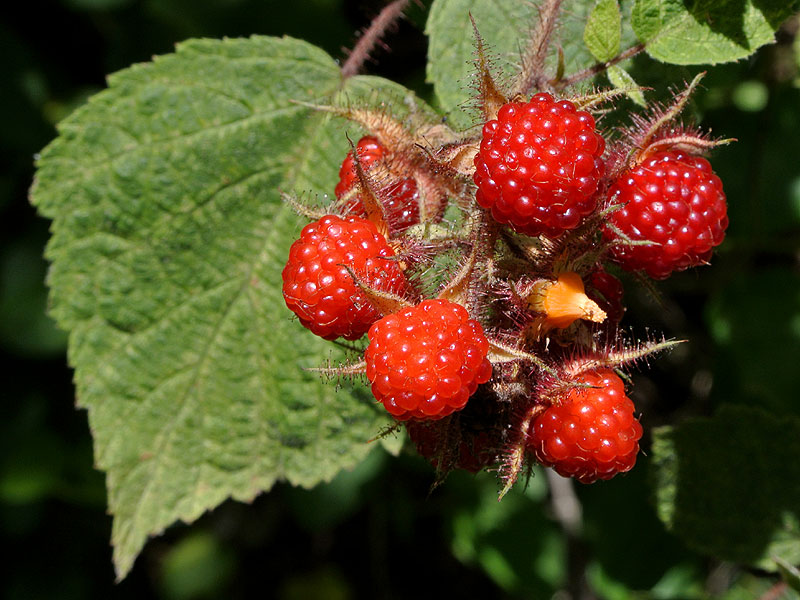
point(539, 166)
point(674, 200)
point(399, 196)
point(426, 361)
point(590, 433)
point(317, 286)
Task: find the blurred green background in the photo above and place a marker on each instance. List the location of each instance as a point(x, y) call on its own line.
point(380, 532)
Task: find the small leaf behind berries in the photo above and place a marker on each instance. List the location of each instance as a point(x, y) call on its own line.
point(622, 80)
point(169, 237)
point(604, 30)
point(706, 32)
point(729, 485)
point(451, 51)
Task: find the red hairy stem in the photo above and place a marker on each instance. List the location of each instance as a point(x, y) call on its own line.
point(371, 37)
point(532, 76)
point(598, 68)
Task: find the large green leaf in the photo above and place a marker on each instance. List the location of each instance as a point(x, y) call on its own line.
point(730, 485)
point(168, 242)
point(692, 32)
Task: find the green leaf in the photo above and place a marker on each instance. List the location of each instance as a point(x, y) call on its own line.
point(707, 31)
point(604, 30)
point(505, 24)
point(486, 533)
point(641, 553)
point(730, 485)
point(168, 242)
point(198, 566)
point(622, 80)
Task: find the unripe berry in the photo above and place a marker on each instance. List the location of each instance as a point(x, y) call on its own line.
point(673, 200)
point(589, 433)
point(607, 291)
point(426, 361)
point(317, 286)
point(539, 166)
point(469, 453)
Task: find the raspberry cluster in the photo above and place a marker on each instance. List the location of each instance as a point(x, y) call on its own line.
point(496, 346)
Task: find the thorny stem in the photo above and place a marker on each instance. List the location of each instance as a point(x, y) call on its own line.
point(564, 503)
point(532, 76)
point(597, 68)
point(617, 358)
point(568, 512)
point(488, 230)
point(371, 37)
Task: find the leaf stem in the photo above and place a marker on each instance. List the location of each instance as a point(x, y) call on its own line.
point(371, 37)
point(598, 68)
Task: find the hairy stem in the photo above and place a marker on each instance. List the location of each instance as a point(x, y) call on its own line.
point(672, 112)
point(371, 37)
point(532, 76)
point(598, 68)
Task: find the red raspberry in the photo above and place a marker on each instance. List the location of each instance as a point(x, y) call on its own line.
point(539, 166)
point(400, 198)
point(675, 200)
point(591, 433)
point(427, 360)
point(317, 286)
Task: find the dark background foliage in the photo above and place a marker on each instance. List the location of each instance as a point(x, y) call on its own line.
point(379, 532)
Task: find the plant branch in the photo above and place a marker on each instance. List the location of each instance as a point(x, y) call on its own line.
point(568, 513)
point(371, 37)
point(598, 68)
point(532, 75)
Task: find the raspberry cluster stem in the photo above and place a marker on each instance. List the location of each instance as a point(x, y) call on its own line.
point(483, 269)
